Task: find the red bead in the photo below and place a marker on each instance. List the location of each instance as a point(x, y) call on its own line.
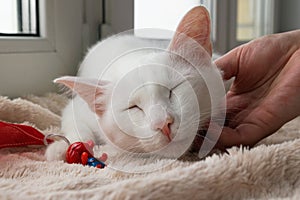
point(73, 154)
point(99, 166)
point(103, 158)
point(84, 158)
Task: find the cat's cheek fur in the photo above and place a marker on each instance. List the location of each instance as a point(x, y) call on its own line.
point(112, 133)
point(130, 140)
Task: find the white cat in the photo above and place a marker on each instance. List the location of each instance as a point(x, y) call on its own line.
point(142, 99)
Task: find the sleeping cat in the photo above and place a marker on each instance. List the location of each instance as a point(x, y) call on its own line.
point(143, 95)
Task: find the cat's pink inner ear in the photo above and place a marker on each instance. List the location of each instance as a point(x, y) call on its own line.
point(196, 25)
point(90, 90)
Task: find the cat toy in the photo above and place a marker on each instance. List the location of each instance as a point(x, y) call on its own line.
point(82, 153)
point(18, 135)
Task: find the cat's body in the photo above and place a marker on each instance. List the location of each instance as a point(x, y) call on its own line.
point(135, 94)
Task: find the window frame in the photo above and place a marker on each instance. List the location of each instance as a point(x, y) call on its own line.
point(224, 35)
point(226, 25)
point(20, 12)
point(232, 16)
point(29, 64)
point(25, 43)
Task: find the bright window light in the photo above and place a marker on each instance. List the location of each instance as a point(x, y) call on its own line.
point(254, 18)
point(8, 16)
point(19, 17)
point(160, 14)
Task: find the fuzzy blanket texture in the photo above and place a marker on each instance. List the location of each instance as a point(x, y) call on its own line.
point(271, 170)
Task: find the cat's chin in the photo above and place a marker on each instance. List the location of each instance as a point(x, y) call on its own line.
point(172, 150)
point(158, 145)
point(149, 148)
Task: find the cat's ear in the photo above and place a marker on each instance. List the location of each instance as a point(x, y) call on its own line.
point(196, 25)
point(92, 91)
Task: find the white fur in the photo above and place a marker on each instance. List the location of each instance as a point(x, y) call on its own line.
point(80, 123)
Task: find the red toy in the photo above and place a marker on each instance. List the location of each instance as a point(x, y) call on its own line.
point(17, 135)
point(82, 153)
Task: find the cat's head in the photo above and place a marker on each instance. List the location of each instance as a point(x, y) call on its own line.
point(159, 106)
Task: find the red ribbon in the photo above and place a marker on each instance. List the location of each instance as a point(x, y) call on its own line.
point(16, 135)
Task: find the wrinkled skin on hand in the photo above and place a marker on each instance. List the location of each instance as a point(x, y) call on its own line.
point(266, 92)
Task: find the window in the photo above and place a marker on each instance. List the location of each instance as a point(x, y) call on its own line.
point(28, 26)
point(245, 20)
point(37, 50)
point(254, 19)
point(19, 18)
point(166, 16)
point(233, 21)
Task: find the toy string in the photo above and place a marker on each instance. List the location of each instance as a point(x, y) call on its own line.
point(55, 136)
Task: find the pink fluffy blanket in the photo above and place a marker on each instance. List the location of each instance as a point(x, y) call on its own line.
point(271, 170)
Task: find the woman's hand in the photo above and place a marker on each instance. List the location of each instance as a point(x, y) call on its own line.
point(266, 91)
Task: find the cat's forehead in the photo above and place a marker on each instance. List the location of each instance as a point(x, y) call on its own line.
point(160, 73)
point(173, 65)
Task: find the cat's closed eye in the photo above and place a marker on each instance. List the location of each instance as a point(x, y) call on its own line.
point(172, 90)
point(170, 94)
point(134, 107)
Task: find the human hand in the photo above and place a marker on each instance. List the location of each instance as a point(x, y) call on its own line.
point(266, 91)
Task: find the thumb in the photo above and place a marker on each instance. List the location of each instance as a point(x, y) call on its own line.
point(228, 137)
point(241, 135)
point(244, 134)
point(229, 63)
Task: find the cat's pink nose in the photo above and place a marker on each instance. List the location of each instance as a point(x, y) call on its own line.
point(161, 120)
point(166, 128)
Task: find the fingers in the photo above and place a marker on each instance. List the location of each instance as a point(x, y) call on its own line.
point(228, 137)
point(247, 135)
point(229, 63)
point(259, 124)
